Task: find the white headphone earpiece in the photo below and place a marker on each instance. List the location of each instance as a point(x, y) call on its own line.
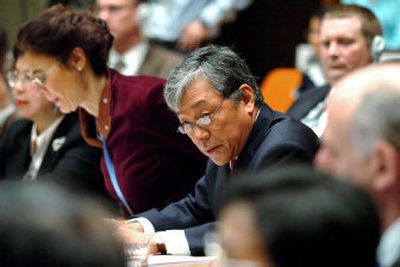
point(377, 47)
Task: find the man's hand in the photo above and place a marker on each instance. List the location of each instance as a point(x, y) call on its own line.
point(131, 233)
point(193, 35)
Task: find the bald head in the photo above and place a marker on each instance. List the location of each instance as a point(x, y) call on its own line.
point(374, 77)
point(349, 91)
point(345, 108)
point(362, 137)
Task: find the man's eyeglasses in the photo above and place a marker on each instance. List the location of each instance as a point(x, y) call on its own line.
point(37, 78)
point(204, 121)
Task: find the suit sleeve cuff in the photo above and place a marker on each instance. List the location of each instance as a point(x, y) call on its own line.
point(145, 223)
point(175, 242)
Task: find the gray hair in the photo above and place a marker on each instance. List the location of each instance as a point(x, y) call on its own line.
point(222, 67)
point(377, 117)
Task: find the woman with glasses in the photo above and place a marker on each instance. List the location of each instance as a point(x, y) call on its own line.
point(46, 144)
point(146, 163)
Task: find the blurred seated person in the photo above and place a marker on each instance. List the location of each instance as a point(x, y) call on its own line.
point(222, 110)
point(185, 25)
point(74, 4)
point(8, 112)
point(46, 144)
point(43, 225)
point(350, 38)
point(131, 54)
point(294, 216)
point(308, 55)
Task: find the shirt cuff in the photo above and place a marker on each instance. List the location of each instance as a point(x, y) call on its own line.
point(175, 242)
point(145, 223)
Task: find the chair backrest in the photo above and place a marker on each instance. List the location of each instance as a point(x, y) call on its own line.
point(279, 87)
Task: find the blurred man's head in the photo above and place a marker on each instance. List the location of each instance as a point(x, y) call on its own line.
point(361, 141)
point(346, 34)
point(42, 225)
point(122, 20)
point(296, 217)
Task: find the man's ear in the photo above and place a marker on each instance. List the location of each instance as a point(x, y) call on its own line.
point(77, 59)
point(248, 97)
point(387, 160)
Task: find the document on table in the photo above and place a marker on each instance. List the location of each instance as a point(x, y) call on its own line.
point(158, 260)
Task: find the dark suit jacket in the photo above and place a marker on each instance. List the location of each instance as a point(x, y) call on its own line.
point(154, 164)
point(274, 139)
point(74, 164)
point(307, 101)
point(397, 263)
point(159, 61)
point(9, 121)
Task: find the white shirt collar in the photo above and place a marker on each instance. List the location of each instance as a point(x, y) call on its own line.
point(133, 58)
point(42, 143)
point(389, 246)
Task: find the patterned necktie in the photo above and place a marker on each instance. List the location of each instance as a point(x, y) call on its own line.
point(31, 172)
point(232, 165)
point(33, 147)
point(120, 64)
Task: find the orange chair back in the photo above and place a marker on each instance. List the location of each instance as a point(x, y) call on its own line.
point(279, 87)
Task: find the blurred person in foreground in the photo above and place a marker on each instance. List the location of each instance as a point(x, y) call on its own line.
point(145, 162)
point(43, 225)
point(350, 38)
point(361, 143)
point(307, 58)
point(45, 143)
point(222, 110)
point(131, 53)
point(294, 216)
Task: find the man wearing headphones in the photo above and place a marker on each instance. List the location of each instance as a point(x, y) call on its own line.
point(351, 38)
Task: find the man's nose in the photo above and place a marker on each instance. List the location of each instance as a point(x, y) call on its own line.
point(322, 160)
point(18, 85)
point(103, 14)
point(333, 49)
point(199, 133)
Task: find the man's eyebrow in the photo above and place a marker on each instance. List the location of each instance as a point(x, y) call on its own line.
point(196, 105)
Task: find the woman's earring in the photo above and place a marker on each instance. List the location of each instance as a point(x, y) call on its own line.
point(79, 68)
point(55, 109)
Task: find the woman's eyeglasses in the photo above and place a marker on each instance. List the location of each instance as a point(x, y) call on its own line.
point(37, 78)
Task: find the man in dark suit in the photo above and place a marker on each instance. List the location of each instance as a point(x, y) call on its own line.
point(68, 160)
point(351, 38)
point(222, 110)
point(361, 144)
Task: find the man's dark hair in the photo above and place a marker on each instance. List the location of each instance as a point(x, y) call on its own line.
point(309, 219)
point(42, 225)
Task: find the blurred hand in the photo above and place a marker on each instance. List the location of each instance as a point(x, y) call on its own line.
point(192, 36)
point(132, 233)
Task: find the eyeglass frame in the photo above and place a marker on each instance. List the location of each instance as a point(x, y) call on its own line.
point(203, 122)
point(30, 76)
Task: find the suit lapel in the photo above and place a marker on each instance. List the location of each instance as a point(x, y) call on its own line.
point(308, 101)
point(257, 136)
point(56, 144)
